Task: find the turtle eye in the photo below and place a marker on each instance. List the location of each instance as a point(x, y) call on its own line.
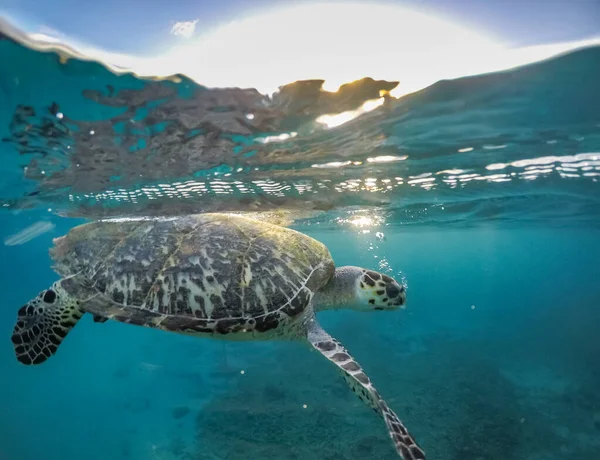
point(49, 296)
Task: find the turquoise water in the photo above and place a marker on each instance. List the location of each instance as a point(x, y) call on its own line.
point(481, 193)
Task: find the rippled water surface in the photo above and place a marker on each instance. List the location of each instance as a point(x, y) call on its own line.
point(481, 193)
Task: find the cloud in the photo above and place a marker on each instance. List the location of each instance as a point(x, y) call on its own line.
point(184, 28)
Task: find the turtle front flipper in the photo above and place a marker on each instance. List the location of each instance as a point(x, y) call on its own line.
point(358, 381)
point(43, 323)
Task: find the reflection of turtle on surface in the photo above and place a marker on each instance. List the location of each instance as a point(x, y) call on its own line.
point(210, 275)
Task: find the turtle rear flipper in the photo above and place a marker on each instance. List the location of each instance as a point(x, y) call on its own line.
point(42, 324)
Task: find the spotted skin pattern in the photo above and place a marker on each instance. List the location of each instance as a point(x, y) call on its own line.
point(382, 290)
point(42, 324)
point(360, 384)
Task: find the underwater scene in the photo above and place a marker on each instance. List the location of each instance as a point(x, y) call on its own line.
point(470, 211)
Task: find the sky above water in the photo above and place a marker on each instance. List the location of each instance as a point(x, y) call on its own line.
point(140, 25)
point(266, 43)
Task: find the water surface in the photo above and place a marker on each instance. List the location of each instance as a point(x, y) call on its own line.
point(481, 193)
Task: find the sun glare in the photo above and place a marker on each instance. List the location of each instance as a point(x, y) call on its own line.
point(334, 120)
point(362, 222)
point(336, 42)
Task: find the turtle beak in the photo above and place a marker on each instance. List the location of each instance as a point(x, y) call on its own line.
point(395, 302)
point(396, 293)
point(401, 300)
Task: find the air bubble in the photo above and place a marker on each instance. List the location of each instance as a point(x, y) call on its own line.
point(380, 236)
point(59, 115)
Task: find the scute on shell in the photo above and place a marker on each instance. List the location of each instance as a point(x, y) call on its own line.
point(208, 266)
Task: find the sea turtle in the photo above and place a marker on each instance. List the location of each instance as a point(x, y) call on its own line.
point(210, 275)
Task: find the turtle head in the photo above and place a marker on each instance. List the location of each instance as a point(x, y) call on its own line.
point(360, 289)
point(376, 291)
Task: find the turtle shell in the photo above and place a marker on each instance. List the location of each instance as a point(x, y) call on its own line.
point(206, 272)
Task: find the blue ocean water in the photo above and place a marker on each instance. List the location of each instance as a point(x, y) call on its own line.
point(481, 193)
